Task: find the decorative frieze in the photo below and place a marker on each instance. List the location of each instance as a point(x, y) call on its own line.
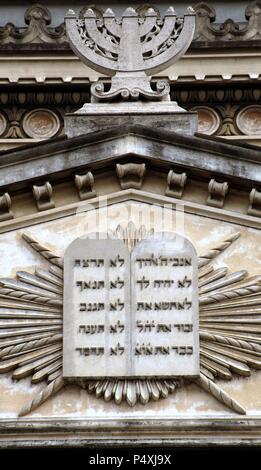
point(84, 184)
point(5, 207)
point(249, 120)
point(39, 112)
point(43, 196)
point(3, 124)
point(41, 124)
point(255, 203)
point(37, 18)
point(38, 30)
point(175, 184)
point(208, 120)
point(217, 193)
point(208, 30)
point(131, 175)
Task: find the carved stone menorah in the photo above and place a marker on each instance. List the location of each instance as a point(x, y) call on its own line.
point(130, 49)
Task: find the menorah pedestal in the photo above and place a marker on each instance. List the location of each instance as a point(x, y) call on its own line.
point(166, 115)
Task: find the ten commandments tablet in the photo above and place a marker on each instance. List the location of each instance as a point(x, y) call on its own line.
point(131, 314)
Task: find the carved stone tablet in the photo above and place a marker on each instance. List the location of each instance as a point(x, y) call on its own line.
point(131, 314)
point(96, 309)
point(165, 338)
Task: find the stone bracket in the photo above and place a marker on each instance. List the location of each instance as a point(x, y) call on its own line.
point(254, 203)
point(84, 185)
point(175, 184)
point(43, 196)
point(5, 207)
point(131, 175)
point(217, 193)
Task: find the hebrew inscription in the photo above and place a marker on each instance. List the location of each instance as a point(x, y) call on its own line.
point(165, 308)
point(131, 314)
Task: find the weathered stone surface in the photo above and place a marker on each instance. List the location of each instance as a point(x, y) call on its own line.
point(161, 116)
point(200, 156)
point(123, 312)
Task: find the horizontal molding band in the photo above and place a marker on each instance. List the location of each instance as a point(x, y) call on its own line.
point(129, 195)
point(193, 67)
point(71, 432)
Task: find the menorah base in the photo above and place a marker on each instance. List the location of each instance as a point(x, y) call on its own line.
point(131, 86)
point(164, 115)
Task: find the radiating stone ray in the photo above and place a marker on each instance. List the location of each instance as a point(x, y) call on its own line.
point(57, 272)
point(50, 278)
point(53, 367)
point(204, 272)
point(241, 344)
point(54, 375)
point(40, 283)
point(217, 285)
point(214, 252)
point(43, 251)
point(19, 305)
point(219, 394)
point(51, 389)
point(15, 332)
point(212, 276)
point(28, 315)
point(30, 345)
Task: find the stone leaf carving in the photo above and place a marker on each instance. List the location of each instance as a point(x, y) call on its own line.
point(229, 340)
point(38, 19)
point(208, 30)
point(130, 49)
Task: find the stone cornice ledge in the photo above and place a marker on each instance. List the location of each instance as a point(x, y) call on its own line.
point(214, 156)
point(176, 432)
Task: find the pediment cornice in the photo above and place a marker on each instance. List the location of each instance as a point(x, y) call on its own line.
point(201, 156)
point(42, 180)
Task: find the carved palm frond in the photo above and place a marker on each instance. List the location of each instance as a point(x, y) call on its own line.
point(31, 310)
point(230, 321)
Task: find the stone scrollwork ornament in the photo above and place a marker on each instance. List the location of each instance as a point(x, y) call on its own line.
point(130, 49)
point(31, 339)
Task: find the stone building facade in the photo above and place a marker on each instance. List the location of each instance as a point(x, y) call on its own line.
point(64, 175)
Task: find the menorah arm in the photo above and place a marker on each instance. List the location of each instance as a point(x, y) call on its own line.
point(94, 33)
point(87, 55)
point(162, 36)
point(174, 52)
point(110, 23)
point(149, 23)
